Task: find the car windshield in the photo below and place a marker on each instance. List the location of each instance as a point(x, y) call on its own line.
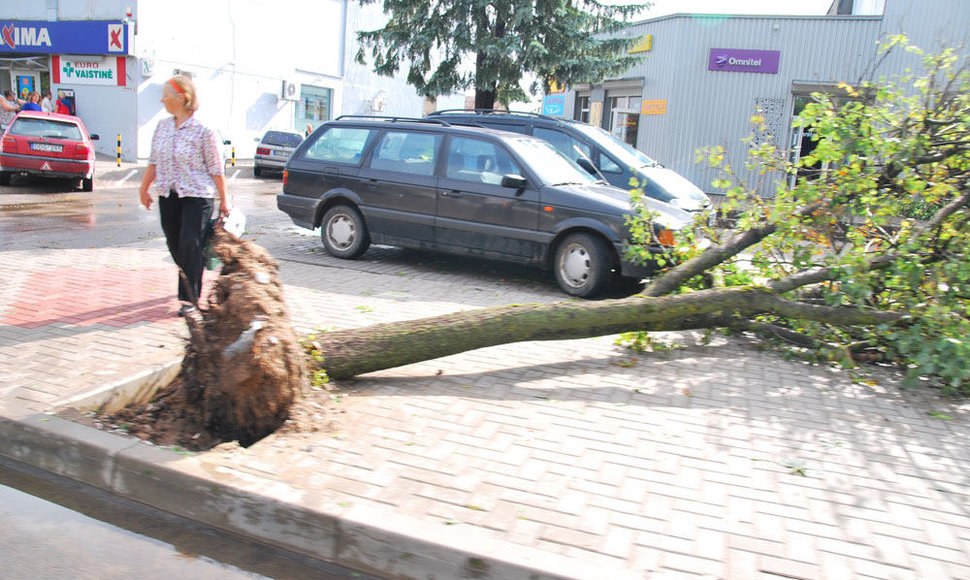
point(552, 167)
point(282, 139)
point(677, 185)
point(623, 152)
point(45, 128)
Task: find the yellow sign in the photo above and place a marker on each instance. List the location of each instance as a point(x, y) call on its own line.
point(555, 87)
point(643, 45)
point(654, 107)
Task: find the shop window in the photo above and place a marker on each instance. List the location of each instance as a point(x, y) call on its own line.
point(313, 107)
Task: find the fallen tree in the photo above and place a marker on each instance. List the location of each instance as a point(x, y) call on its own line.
point(870, 251)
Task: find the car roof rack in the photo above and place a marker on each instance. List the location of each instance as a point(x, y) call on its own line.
point(392, 119)
point(442, 112)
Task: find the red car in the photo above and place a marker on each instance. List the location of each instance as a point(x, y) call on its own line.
point(47, 145)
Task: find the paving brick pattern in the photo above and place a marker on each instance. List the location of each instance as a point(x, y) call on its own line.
point(713, 460)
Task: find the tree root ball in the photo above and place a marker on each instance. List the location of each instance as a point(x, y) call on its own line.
point(244, 366)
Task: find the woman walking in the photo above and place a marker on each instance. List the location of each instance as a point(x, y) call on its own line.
point(185, 170)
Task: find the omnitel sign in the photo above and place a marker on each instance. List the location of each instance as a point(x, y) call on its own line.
point(88, 70)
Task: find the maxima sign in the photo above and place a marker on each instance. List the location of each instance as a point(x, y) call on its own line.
point(741, 60)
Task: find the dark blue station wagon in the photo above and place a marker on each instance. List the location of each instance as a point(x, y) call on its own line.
point(472, 191)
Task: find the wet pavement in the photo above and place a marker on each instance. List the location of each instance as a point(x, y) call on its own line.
point(560, 459)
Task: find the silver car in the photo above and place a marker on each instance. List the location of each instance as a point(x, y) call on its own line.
point(274, 150)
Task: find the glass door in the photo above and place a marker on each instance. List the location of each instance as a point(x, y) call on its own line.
point(625, 118)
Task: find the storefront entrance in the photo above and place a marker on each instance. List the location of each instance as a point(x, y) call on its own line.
point(625, 118)
point(24, 74)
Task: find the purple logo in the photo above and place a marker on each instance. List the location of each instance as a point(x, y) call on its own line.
point(742, 60)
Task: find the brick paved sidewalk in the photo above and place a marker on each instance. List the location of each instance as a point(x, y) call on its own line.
point(711, 461)
point(73, 319)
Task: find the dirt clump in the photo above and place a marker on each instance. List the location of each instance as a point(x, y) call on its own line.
point(244, 368)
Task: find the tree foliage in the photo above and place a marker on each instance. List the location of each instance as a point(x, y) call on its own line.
point(558, 40)
point(877, 221)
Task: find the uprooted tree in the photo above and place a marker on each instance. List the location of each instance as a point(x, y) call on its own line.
point(868, 253)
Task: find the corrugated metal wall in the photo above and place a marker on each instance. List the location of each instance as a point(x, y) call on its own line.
point(714, 107)
point(929, 24)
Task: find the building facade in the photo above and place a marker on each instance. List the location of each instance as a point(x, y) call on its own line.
point(258, 65)
point(702, 77)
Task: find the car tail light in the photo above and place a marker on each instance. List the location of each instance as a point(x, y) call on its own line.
point(666, 237)
point(80, 151)
point(10, 145)
point(286, 176)
point(262, 151)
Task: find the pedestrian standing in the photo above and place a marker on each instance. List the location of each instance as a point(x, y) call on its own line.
point(9, 107)
point(63, 105)
point(33, 102)
point(185, 171)
point(47, 103)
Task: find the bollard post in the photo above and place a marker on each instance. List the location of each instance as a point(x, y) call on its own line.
point(233, 158)
point(119, 149)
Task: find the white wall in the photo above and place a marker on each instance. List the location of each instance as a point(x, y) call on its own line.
point(366, 92)
point(239, 53)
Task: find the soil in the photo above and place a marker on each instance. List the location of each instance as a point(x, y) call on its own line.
point(167, 421)
point(244, 371)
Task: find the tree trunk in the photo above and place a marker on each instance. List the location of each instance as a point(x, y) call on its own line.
point(357, 351)
point(484, 99)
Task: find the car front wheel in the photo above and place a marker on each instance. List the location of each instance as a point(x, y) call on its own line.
point(344, 233)
point(583, 265)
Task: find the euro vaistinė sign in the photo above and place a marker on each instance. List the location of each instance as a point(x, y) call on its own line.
point(88, 70)
point(743, 60)
point(59, 37)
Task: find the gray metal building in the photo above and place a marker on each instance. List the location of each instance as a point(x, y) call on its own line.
point(704, 76)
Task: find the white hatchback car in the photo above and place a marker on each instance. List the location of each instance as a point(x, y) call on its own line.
point(274, 150)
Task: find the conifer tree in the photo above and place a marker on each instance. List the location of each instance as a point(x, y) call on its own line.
point(491, 45)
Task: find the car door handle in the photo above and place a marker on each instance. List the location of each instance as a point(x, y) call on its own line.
point(451, 193)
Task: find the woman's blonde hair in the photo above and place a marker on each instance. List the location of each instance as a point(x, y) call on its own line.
point(184, 86)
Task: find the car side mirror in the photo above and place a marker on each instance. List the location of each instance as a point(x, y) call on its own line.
point(587, 165)
point(94, 136)
point(514, 181)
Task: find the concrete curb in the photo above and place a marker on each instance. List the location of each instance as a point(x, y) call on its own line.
point(204, 489)
point(113, 397)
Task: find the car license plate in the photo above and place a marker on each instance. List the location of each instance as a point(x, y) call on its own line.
point(47, 147)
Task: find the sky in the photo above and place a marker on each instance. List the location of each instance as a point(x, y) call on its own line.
point(800, 7)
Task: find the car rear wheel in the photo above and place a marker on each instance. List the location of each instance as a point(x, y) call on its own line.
point(257, 171)
point(4, 178)
point(583, 265)
point(87, 184)
point(344, 233)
